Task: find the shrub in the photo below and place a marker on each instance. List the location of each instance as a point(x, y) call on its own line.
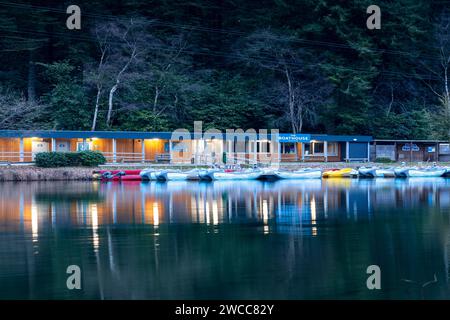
point(69, 159)
point(51, 159)
point(384, 160)
point(91, 158)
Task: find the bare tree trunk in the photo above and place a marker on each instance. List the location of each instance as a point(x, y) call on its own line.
point(291, 100)
point(391, 102)
point(110, 102)
point(116, 85)
point(97, 102)
point(31, 78)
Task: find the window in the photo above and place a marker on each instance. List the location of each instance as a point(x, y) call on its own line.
point(263, 147)
point(444, 148)
point(83, 146)
point(318, 148)
point(332, 149)
point(288, 148)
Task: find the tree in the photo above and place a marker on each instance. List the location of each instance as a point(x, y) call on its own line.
point(16, 112)
point(439, 72)
point(67, 105)
point(300, 88)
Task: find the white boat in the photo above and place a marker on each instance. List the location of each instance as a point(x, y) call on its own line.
point(402, 172)
point(235, 175)
point(300, 174)
point(207, 174)
point(368, 172)
point(268, 174)
point(428, 172)
point(167, 175)
point(375, 172)
point(149, 174)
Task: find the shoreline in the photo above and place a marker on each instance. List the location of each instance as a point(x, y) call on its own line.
point(32, 173)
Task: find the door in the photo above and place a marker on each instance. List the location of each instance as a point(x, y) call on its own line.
point(38, 146)
point(62, 146)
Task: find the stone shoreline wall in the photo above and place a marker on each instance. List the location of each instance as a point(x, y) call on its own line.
point(44, 174)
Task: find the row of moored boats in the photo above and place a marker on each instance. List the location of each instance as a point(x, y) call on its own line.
point(214, 174)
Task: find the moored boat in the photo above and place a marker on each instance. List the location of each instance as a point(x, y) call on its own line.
point(341, 173)
point(375, 172)
point(235, 175)
point(401, 172)
point(427, 172)
point(148, 174)
point(300, 174)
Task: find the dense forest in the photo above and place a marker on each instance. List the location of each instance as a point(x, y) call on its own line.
point(297, 65)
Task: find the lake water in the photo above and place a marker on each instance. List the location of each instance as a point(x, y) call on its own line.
point(226, 240)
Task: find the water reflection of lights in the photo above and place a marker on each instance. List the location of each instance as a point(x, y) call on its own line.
point(207, 213)
point(155, 214)
point(313, 215)
point(265, 212)
point(215, 212)
point(34, 221)
point(94, 224)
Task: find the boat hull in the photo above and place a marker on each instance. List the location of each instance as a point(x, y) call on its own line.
point(426, 173)
point(302, 174)
point(235, 175)
point(342, 173)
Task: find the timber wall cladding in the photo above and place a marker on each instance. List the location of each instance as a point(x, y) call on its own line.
point(102, 145)
point(10, 148)
point(153, 147)
point(9, 145)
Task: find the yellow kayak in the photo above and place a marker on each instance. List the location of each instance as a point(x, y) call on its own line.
point(341, 173)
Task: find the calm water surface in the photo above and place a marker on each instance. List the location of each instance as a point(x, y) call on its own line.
point(255, 240)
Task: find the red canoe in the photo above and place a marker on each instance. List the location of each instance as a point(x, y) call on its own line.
point(131, 177)
point(127, 172)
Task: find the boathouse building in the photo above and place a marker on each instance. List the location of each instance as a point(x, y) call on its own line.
point(145, 147)
point(133, 147)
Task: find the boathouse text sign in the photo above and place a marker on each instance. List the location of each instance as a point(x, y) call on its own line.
point(286, 137)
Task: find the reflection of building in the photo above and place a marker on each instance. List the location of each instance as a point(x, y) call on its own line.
point(36, 207)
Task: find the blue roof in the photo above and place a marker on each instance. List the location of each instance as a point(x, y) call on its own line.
point(144, 135)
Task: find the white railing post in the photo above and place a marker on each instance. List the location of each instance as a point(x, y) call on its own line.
point(21, 151)
point(170, 151)
point(53, 142)
point(347, 151)
point(368, 151)
point(303, 151)
point(114, 150)
point(143, 150)
point(325, 150)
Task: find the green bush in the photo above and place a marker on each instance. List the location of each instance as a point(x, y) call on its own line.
point(51, 159)
point(91, 158)
point(69, 159)
point(384, 160)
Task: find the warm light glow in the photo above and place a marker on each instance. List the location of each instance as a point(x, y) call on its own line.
point(313, 210)
point(313, 216)
point(265, 213)
point(215, 212)
point(34, 222)
point(207, 212)
point(155, 214)
point(94, 223)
